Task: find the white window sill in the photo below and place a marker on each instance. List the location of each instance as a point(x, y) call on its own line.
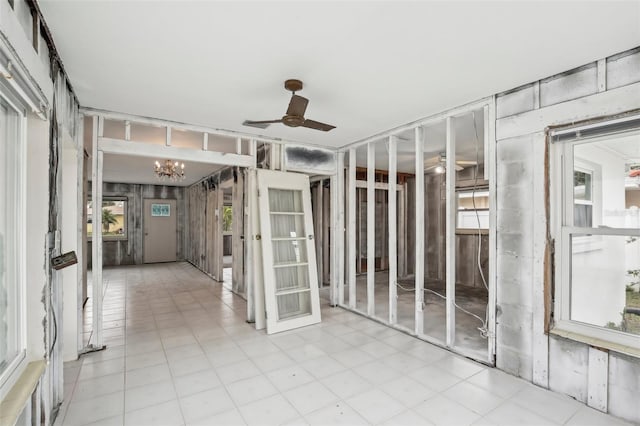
point(14, 402)
point(571, 330)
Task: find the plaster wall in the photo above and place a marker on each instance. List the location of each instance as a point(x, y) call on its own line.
point(522, 347)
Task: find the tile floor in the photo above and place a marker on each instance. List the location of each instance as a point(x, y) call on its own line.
point(180, 353)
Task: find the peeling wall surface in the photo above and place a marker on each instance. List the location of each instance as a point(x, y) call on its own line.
point(522, 116)
point(129, 251)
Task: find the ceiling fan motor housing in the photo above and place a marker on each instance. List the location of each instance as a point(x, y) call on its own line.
point(292, 120)
point(293, 85)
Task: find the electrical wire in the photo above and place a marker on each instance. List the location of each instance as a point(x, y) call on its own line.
point(445, 298)
point(484, 330)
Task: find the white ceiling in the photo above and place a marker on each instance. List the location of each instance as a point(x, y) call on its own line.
point(367, 66)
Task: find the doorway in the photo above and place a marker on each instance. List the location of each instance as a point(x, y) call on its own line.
point(160, 227)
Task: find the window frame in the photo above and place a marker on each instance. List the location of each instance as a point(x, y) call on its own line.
point(125, 213)
point(561, 182)
point(16, 366)
point(480, 191)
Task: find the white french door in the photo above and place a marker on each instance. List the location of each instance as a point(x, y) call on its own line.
point(288, 251)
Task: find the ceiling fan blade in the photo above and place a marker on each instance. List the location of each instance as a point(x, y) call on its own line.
point(433, 161)
point(458, 167)
point(467, 162)
point(260, 124)
point(317, 125)
point(297, 106)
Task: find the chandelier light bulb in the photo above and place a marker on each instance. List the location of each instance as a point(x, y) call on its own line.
point(170, 170)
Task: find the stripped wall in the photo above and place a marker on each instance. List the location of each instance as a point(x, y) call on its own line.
point(605, 87)
point(129, 251)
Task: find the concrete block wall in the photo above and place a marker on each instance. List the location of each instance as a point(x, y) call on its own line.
point(598, 89)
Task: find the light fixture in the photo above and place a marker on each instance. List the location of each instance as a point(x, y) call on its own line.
point(170, 170)
point(439, 169)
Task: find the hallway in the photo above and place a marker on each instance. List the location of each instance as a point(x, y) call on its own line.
point(180, 353)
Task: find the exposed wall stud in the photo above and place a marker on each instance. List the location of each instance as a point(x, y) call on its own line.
point(371, 228)
point(419, 229)
point(602, 75)
point(490, 165)
point(393, 242)
point(96, 247)
point(451, 233)
point(351, 255)
point(337, 232)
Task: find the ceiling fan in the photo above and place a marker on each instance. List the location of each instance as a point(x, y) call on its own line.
point(295, 112)
point(438, 164)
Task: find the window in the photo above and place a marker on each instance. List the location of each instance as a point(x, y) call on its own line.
point(227, 219)
point(473, 210)
point(114, 218)
point(598, 232)
point(12, 279)
point(582, 198)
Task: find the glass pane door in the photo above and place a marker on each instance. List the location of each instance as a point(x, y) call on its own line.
point(291, 288)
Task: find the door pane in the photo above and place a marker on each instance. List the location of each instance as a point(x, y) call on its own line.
point(294, 304)
point(287, 226)
point(285, 200)
point(291, 278)
point(286, 252)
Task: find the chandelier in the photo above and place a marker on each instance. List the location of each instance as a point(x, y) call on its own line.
point(169, 170)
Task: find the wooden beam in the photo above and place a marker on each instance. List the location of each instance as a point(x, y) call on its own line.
point(351, 238)
point(156, 122)
point(393, 241)
point(490, 164)
point(96, 246)
point(338, 231)
point(611, 102)
point(326, 226)
point(419, 229)
point(249, 278)
point(450, 235)
point(402, 233)
point(81, 231)
point(602, 75)
point(371, 229)
point(423, 122)
point(119, 146)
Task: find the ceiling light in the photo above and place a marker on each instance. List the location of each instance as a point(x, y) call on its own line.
point(439, 169)
point(169, 170)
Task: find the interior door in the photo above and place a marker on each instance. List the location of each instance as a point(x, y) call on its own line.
point(288, 251)
point(160, 231)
